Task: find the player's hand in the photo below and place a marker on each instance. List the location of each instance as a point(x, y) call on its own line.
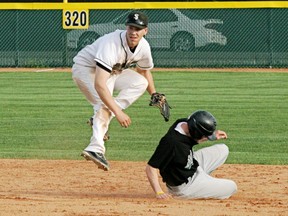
point(123, 119)
point(221, 135)
point(163, 196)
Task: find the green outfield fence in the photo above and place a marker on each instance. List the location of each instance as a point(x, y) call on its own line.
point(190, 34)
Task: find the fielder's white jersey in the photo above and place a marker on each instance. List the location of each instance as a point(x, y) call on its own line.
point(112, 49)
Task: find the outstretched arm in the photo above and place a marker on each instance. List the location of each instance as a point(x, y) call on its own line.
point(148, 75)
point(216, 136)
point(152, 175)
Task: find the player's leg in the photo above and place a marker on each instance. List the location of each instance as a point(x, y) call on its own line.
point(95, 151)
point(131, 86)
point(84, 78)
point(210, 158)
point(204, 186)
point(101, 121)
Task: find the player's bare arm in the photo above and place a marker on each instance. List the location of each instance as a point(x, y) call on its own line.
point(148, 75)
point(152, 175)
point(157, 99)
point(101, 77)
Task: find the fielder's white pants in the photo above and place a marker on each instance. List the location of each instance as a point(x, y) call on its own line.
point(202, 185)
point(130, 84)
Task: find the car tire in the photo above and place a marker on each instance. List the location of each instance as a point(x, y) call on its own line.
point(182, 41)
point(86, 39)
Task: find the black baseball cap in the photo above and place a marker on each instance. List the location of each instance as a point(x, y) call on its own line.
point(137, 19)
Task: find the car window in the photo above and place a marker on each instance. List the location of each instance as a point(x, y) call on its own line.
point(192, 14)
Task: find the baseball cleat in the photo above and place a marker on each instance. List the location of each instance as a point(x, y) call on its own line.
point(90, 123)
point(98, 158)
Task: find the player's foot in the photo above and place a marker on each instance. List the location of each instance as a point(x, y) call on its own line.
point(98, 158)
point(90, 123)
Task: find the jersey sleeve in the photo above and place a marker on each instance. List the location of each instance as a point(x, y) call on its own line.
point(163, 154)
point(104, 57)
point(146, 62)
point(108, 50)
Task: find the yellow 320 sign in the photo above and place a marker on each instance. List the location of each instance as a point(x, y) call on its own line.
point(75, 19)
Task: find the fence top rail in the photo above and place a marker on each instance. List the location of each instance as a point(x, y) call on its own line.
point(145, 5)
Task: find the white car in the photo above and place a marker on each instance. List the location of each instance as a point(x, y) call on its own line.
point(168, 28)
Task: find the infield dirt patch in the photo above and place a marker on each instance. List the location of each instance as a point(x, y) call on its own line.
point(77, 187)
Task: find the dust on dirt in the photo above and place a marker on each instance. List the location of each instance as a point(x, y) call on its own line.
point(78, 187)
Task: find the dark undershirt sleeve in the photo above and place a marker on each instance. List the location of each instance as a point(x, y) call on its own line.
point(103, 67)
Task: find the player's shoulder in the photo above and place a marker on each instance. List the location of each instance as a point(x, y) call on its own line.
point(144, 44)
point(111, 36)
point(115, 33)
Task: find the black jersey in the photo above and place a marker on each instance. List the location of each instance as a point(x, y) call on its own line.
point(174, 157)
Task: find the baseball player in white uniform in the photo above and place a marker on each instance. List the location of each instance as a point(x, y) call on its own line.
point(103, 67)
point(185, 172)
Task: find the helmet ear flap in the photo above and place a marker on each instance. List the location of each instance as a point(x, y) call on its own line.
point(195, 134)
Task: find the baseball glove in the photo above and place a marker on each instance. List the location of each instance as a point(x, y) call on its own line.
point(159, 100)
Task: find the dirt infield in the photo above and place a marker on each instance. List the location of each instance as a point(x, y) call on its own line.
point(70, 188)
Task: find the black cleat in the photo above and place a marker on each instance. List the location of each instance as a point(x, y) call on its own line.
point(98, 158)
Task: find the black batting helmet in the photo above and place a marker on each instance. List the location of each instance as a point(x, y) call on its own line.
point(201, 123)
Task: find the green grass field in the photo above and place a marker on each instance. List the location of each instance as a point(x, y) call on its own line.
point(43, 115)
